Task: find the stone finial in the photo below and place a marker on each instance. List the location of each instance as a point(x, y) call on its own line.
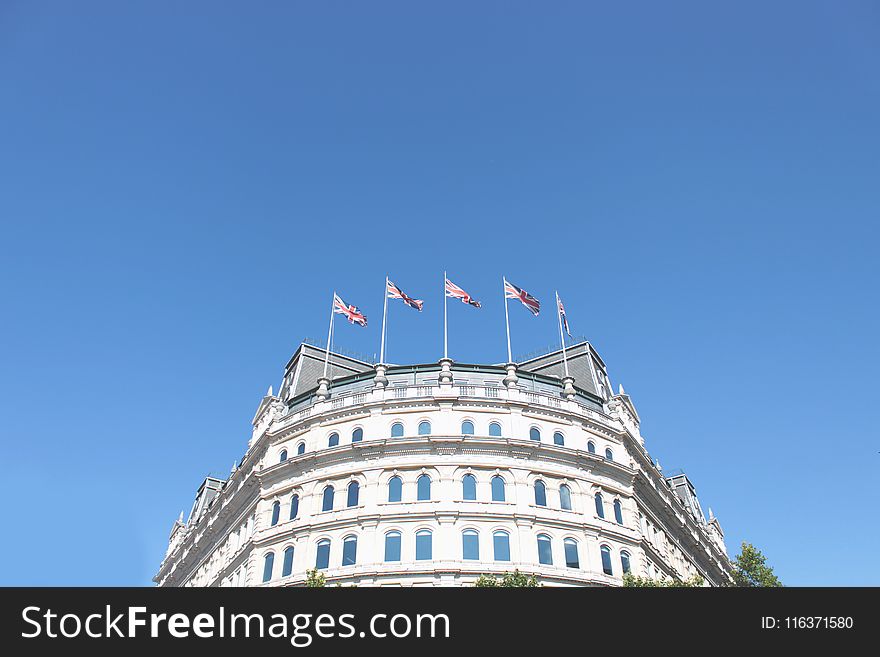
point(180, 518)
point(568, 387)
point(511, 379)
point(445, 372)
point(323, 388)
point(269, 393)
point(380, 380)
point(620, 390)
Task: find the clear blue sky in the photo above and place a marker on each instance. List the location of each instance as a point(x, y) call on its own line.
point(181, 189)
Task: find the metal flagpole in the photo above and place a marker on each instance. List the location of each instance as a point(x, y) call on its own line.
point(329, 334)
point(384, 315)
point(561, 336)
point(506, 318)
point(445, 338)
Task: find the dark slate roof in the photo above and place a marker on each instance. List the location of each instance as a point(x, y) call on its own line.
point(578, 356)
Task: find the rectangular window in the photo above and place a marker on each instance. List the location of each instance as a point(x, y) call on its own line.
point(470, 546)
point(501, 543)
point(392, 547)
point(423, 546)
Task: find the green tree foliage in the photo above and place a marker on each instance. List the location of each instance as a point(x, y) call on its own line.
point(630, 580)
point(511, 580)
point(750, 568)
point(315, 579)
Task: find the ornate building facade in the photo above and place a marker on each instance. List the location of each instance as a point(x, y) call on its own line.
point(433, 474)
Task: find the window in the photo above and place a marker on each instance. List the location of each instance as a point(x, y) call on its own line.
point(327, 504)
point(276, 512)
point(534, 434)
point(424, 428)
point(395, 489)
point(495, 430)
point(600, 507)
point(497, 488)
point(268, 564)
point(354, 489)
point(287, 566)
point(322, 558)
point(501, 545)
point(591, 447)
point(618, 512)
point(609, 455)
point(540, 493)
point(301, 449)
point(396, 430)
point(565, 497)
point(606, 560)
point(545, 551)
point(469, 487)
point(349, 550)
point(423, 545)
point(571, 553)
point(624, 562)
point(423, 488)
point(357, 435)
point(333, 441)
point(467, 428)
point(558, 438)
point(470, 545)
point(294, 506)
point(392, 546)
point(283, 456)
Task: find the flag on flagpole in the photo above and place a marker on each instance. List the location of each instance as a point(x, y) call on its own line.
point(511, 291)
point(352, 314)
point(395, 292)
point(452, 290)
point(562, 316)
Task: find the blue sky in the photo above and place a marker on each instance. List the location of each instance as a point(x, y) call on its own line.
point(183, 187)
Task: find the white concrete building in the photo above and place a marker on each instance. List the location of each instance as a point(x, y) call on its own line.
point(430, 475)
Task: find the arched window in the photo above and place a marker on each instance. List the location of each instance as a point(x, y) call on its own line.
point(624, 562)
point(349, 550)
point(322, 556)
point(591, 447)
point(268, 564)
point(571, 553)
point(497, 488)
point(545, 550)
point(287, 565)
point(354, 489)
point(424, 428)
point(501, 545)
point(565, 497)
point(397, 430)
point(395, 489)
point(600, 506)
point(558, 438)
point(423, 488)
point(540, 493)
point(469, 487)
point(392, 546)
point(333, 440)
point(606, 560)
point(618, 512)
point(535, 434)
point(283, 456)
point(467, 428)
point(423, 545)
point(609, 455)
point(294, 506)
point(327, 503)
point(276, 512)
point(494, 430)
point(470, 545)
point(357, 435)
point(300, 449)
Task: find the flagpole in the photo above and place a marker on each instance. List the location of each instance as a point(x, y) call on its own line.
point(561, 336)
point(506, 318)
point(384, 315)
point(329, 334)
point(445, 338)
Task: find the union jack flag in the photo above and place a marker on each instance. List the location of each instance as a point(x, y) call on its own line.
point(562, 315)
point(452, 290)
point(511, 291)
point(352, 314)
point(395, 292)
